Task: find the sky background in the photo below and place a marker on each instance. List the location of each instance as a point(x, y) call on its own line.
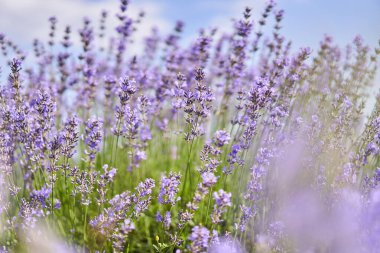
point(305, 22)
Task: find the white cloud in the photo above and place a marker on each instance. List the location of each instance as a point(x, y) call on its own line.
point(24, 20)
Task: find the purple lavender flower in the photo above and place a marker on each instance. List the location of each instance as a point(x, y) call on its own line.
point(233, 158)
point(169, 189)
point(145, 134)
point(246, 214)
point(44, 105)
point(93, 136)
point(138, 156)
point(145, 188)
point(105, 222)
point(199, 237)
point(70, 137)
point(87, 35)
point(159, 217)
point(167, 220)
point(244, 27)
point(222, 200)
point(127, 226)
point(110, 174)
point(57, 204)
point(143, 197)
point(221, 138)
point(208, 179)
point(41, 195)
point(127, 88)
point(119, 237)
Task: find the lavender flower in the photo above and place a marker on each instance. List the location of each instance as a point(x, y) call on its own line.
point(41, 196)
point(200, 237)
point(121, 234)
point(70, 137)
point(222, 200)
point(208, 179)
point(221, 138)
point(167, 220)
point(106, 178)
point(127, 88)
point(169, 189)
point(159, 217)
point(105, 222)
point(143, 196)
point(93, 136)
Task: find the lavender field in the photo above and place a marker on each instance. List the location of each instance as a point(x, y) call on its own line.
point(236, 142)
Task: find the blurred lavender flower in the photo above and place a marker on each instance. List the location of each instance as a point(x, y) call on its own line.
point(106, 178)
point(167, 220)
point(221, 138)
point(200, 238)
point(143, 196)
point(226, 245)
point(121, 234)
point(208, 179)
point(41, 195)
point(169, 189)
point(105, 222)
point(127, 88)
point(222, 200)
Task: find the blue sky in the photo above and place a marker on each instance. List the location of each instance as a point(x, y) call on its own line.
point(306, 21)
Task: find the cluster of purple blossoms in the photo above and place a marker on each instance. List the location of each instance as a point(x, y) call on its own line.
point(70, 137)
point(178, 92)
point(210, 154)
point(106, 221)
point(121, 233)
point(210, 158)
point(30, 213)
point(169, 189)
point(258, 171)
point(41, 196)
point(143, 197)
point(208, 180)
point(198, 105)
point(373, 147)
point(116, 221)
point(93, 136)
point(200, 238)
point(233, 158)
point(222, 201)
point(166, 220)
point(127, 88)
point(221, 138)
point(105, 179)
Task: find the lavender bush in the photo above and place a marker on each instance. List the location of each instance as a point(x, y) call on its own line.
point(234, 143)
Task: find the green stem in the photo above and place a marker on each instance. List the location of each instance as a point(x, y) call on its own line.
point(85, 228)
